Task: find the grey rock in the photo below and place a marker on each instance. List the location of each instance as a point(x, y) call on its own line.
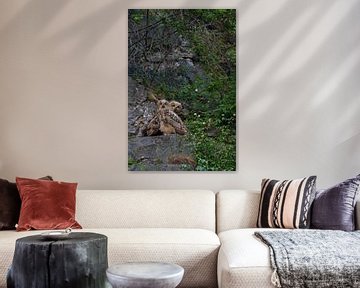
point(154, 153)
point(140, 110)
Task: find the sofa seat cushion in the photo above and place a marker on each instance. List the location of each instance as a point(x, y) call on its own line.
point(194, 249)
point(244, 261)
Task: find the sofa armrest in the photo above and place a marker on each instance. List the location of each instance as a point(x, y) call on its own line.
point(357, 215)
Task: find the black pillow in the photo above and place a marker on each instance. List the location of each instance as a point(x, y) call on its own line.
point(10, 204)
point(334, 208)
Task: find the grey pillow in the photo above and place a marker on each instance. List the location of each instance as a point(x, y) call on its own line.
point(334, 208)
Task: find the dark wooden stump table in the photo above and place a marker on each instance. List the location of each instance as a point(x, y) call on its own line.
point(79, 261)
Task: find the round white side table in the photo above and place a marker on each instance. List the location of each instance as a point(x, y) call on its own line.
point(145, 275)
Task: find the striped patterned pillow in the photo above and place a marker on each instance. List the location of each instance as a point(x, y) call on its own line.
point(286, 204)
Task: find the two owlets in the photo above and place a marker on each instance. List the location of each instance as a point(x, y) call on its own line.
point(166, 119)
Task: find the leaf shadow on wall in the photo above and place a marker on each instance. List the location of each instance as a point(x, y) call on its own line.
point(314, 78)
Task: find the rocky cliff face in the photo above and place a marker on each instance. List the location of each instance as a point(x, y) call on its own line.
point(164, 152)
point(153, 153)
point(173, 68)
point(141, 110)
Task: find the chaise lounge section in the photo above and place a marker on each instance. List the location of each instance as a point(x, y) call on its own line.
point(244, 260)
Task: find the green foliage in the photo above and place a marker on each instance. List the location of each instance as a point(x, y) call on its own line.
point(212, 107)
point(213, 37)
point(132, 161)
point(213, 153)
point(136, 15)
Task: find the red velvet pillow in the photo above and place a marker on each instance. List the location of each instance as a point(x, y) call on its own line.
point(46, 204)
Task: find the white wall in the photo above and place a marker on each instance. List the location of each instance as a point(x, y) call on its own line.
point(63, 92)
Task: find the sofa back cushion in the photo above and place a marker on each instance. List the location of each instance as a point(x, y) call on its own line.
point(146, 209)
point(236, 209)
